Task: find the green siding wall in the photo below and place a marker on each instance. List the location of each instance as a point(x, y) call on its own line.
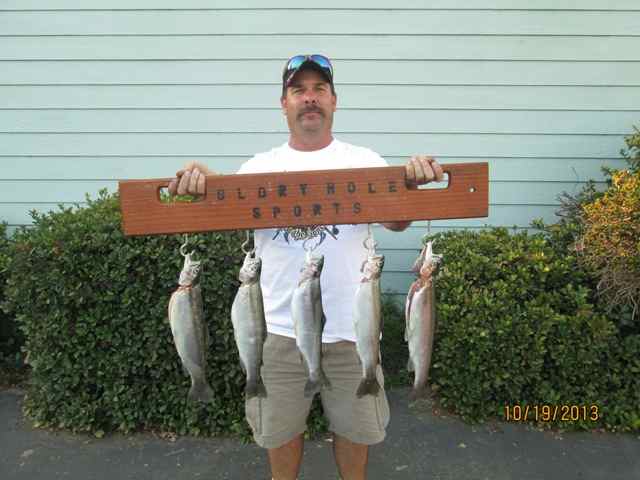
point(94, 92)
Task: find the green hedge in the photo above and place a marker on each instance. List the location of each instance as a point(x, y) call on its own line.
point(93, 307)
point(517, 324)
point(10, 339)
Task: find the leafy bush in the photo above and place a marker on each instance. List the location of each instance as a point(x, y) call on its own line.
point(93, 307)
point(597, 266)
point(632, 152)
point(394, 350)
point(516, 326)
point(10, 338)
point(611, 240)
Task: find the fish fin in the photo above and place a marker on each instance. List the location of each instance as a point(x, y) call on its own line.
point(406, 322)
point(262, 391)
point(324, 381)
point(420, 392)
point(410, 366)
point(419, 261)
point(368, 386)
point(207, 337)
point(311, 388)
point(255, 389)
point(407, 309)
point(314, 386)
point(170, 307)
point(200, 392)
point(244, 369)
point(198, 308)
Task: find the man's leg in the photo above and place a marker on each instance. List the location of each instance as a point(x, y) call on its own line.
point(285, 460)
point(355, 422)
point(351, 458)
point(278, 421)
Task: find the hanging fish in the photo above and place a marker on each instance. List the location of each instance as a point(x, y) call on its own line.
point(190, 333)
point(249, 325)
point(420, 314)
point(367, 317)
point(308, 322)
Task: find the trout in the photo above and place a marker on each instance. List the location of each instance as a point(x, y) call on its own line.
point(249, 325)
point(308, 322)
point(190, 332)
point(367, 318)
point(420, 314)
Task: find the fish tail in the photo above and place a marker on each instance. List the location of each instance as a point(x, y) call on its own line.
point(368, 386)
point(311, 388)
point(324, 381)
point(200, 391)
point(255, 388)
point(314, 385)
point(418, 392)
point(410, 366)
point(262, 391)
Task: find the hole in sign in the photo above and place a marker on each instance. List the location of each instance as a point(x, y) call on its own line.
point(436, 185)
point(165, 197)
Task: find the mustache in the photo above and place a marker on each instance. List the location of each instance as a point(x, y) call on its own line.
point(311, 109)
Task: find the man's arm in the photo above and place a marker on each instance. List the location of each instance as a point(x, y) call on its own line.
point(420, 169)
point(396, 226)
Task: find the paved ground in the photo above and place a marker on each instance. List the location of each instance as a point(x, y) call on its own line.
point(418, 446)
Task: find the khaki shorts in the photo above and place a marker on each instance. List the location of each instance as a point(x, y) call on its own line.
point(282, 415)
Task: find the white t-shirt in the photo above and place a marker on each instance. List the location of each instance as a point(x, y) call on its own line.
point(283, 256)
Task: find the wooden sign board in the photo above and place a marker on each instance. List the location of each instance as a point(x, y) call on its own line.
point(313, 197)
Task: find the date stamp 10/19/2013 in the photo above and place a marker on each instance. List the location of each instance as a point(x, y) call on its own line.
point(551, 413)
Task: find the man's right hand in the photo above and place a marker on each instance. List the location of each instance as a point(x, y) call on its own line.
point(190, 180)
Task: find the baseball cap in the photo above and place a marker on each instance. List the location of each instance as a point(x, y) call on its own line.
point(298, 62)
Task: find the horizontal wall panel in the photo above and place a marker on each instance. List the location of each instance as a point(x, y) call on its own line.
point(499, 215)
point(351, 96)
point(399, 260)
point(47, 191)
point(198, 144)
point(278, 48)
point(119, 168)
point(427, 72)
point(398, 282)
point(328, 4)
point(387, 22)
point(345, 120)
point(409, 240)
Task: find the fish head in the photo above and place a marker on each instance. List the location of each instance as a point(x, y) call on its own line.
point(431, 261)
point(312, 265)
point(190, 271)
point(372, 267)
point(251, 268)
point(419, 261)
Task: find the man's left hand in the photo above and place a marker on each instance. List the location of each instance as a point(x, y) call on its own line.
point(421, 169)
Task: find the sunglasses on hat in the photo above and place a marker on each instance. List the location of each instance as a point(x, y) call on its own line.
point(294, 64)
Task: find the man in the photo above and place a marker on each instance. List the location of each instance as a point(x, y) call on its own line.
point(278, 421)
